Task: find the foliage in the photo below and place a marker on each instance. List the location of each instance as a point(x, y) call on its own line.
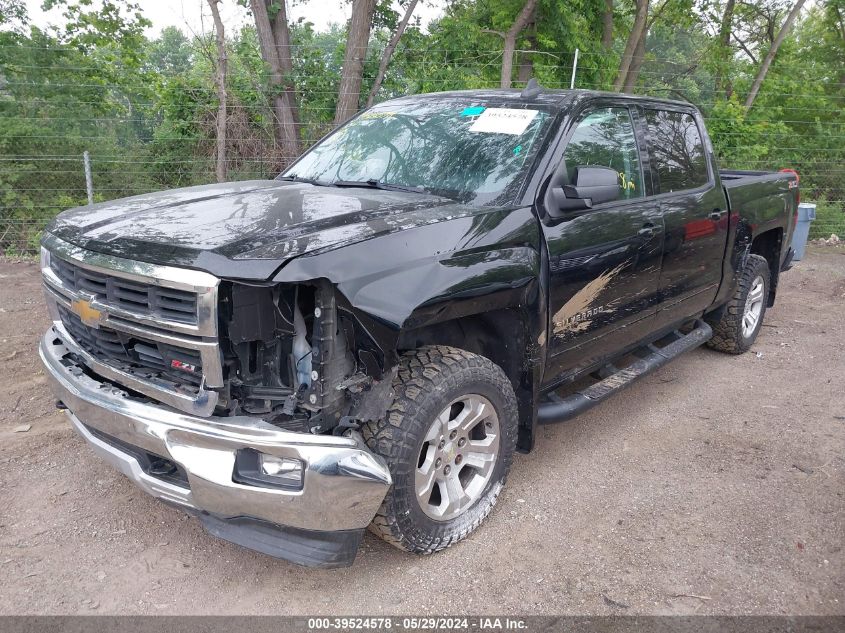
point(829, 221)
point(144, 107)
point(742, 141)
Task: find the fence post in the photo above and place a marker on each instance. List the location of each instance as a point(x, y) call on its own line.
point(574, 68)
point(89, 185)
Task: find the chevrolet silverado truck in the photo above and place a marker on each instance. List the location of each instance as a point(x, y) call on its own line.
point(366, 340)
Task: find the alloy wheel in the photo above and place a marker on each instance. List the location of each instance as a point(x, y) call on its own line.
point(753, 306)
point(457, 457)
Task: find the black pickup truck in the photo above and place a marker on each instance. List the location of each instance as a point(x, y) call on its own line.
point(366, 339)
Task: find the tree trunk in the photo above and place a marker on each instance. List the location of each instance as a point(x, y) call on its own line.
point(525, 69)
point(840, 21)
point(274, 42)
point(388, 51)
point(724, 55)
point(512, 33)
point(607, 26)
point(636, 64)
point(353, 63)
point(632, 43)
point(841, 24)
point(764, 67)
point(220, 80)
point(281, 37)
point(638, 58)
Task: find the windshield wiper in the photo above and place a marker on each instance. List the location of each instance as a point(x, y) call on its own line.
point(310, 181)
point(372, 183)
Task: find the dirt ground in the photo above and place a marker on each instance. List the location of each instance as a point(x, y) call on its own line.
point(715, 485)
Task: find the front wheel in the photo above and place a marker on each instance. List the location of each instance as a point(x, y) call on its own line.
point(739, 321)
point(448, 439)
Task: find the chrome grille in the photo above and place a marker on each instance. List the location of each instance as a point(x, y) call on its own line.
point(150, 328)
point(136, 355)
point(146, 299)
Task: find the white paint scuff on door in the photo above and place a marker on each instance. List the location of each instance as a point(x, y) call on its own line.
point(576, 315)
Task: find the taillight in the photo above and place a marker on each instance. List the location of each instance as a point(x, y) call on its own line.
point(789, 170)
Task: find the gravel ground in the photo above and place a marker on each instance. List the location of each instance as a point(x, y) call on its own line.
point(715, 485)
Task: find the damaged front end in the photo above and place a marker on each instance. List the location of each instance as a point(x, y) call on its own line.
point(242, 410)
point(294, 357)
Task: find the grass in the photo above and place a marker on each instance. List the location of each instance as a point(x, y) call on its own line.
point(830, 218)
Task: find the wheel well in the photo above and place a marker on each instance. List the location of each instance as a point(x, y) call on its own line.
point(768, 245)
point(499, 335)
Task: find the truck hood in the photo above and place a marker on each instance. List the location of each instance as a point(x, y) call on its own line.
point(246, 229)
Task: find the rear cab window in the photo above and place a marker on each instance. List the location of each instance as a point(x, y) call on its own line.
point(676, 151)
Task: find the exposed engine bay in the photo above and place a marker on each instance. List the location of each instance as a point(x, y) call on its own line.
point(296, 359)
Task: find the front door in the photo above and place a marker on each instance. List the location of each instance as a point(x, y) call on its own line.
point(604, 263)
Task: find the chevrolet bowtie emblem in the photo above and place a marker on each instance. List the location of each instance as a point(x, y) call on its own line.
point(89, 316)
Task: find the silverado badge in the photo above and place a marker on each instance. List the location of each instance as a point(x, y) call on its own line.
point(578, 313)
point(89, 316)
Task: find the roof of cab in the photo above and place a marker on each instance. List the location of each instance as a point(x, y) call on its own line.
point(546, 96)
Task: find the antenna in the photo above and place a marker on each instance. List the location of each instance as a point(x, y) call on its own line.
point(532, 89)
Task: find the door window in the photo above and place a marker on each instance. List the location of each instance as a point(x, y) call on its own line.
point(676, 150)
point(606, 138)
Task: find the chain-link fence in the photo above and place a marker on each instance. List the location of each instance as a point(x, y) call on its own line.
point(64, 186)
point(138, 145)
point(56, 183)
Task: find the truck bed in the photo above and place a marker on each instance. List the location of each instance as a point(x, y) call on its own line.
point(766, 199)
point(745, 186)
point(732, 178)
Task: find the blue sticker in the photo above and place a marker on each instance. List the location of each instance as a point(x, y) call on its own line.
point(517, 150)
point(472, 111)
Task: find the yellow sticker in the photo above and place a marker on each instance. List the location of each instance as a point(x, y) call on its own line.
point(625, 183)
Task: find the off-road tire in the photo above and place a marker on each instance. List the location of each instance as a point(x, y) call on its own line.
point(728, 333)
point(428, 379)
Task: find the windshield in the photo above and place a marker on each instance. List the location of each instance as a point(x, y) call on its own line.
point(466, 150)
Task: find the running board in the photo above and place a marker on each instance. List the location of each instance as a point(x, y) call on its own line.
point(614, 380)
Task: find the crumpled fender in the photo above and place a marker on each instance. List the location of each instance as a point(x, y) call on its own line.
point(467, 265)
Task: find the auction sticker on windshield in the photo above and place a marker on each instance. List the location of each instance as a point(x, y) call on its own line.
point(503, 121)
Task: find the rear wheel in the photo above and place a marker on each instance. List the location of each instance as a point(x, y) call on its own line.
point(448, 439)
point(739, 321)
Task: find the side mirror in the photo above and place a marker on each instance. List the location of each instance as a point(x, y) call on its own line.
point(592, 186)
point(598, 184)
point(561, 202)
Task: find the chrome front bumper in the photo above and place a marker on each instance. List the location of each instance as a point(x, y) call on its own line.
point(343, 483)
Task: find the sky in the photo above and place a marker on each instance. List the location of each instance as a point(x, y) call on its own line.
point(194, 17)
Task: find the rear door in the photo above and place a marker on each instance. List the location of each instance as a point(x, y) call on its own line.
point(604, 262)
point(694, 212)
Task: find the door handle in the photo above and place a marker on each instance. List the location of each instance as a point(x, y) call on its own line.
point(648, 230)
point(716, 215)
